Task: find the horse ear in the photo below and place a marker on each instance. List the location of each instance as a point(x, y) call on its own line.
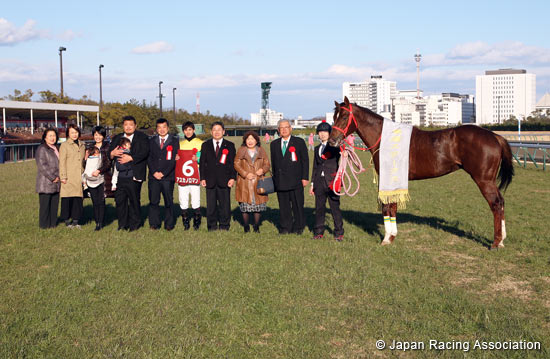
point(346, 101)
point(336, 104)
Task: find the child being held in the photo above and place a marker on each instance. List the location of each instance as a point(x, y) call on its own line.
point(125, 145)
point(93, 162)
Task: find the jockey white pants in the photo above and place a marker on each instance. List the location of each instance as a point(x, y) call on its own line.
point(190, 190)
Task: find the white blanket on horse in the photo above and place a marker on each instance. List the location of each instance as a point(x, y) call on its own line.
point(394, 163)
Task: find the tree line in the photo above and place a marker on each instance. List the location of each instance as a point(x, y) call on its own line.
point(112, 113)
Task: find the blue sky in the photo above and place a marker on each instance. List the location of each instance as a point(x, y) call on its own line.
point(225, 49)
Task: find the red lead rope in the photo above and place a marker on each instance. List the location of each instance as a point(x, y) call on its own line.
point(351, 117)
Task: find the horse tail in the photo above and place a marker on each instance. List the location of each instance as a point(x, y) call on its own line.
point(506, 171)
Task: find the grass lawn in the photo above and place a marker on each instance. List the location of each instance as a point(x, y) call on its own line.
point(82, 294)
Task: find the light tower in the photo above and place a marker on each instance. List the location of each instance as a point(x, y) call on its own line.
point(266, 87)
point(198, 103)
point(417, 58)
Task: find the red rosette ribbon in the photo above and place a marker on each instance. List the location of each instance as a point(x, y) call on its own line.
point(195, 151)
point(292, 150)
point(168, 153)
point(223, 158)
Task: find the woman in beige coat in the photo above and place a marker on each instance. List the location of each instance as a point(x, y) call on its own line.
point(251, 162)
point(71, 157)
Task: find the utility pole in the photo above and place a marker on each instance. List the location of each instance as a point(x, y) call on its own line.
point(61, 49)
point(160, 97)
point(174, 99)
point(100, 89)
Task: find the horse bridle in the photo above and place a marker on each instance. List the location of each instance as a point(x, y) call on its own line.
point(351, 117)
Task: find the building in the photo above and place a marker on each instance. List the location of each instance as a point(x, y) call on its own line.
point(447, 109)
point(272, 117)
point(543, 106)
point(501, 94)
point(376, 94)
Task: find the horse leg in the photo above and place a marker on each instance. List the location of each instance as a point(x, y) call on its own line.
point(390, 223)
point(501, 244)
point(496, 203)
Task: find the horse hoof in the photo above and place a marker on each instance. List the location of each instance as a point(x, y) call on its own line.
point(385, 242)
point(501, 245)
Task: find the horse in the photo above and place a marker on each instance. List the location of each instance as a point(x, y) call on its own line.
point(483, 154)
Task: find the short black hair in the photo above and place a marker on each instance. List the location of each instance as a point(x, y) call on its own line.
point(73, 126)
point(217, 123)
point(101, 130)
point(124, 140)
point(163, 120)
point(129, 118)
point(188, 124)
point(46, 133)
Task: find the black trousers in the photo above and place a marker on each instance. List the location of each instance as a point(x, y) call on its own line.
point(98, 201)
point(322, 193)
point(47, 214)
point(218, 200)
point(291, 209)
point(71, 208)
point(157, 187)
point(127, 203)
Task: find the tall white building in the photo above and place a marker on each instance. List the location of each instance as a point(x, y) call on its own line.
point(447, 109)
point(504, 93)
point(376, 94)
point(272, 117)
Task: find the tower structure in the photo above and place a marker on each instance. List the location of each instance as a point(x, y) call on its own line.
point(417, 58)
point(198, 103)
point(266, 87)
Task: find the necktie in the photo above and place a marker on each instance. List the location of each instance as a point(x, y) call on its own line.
point(161, 143)
point(284, 147)
point(217, 148)
point(323, 148)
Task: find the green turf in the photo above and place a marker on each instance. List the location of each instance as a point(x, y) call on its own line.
point(82, 294)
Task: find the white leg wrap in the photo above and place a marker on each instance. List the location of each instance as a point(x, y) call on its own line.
point(503, 234)
point(387, 227)
point(393, 222)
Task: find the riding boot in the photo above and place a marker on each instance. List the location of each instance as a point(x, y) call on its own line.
point(197, 219)
point(186, 219)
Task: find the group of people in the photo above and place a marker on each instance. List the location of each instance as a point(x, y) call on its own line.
point(119, 168)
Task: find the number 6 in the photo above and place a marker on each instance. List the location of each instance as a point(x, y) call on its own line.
point(187, 169)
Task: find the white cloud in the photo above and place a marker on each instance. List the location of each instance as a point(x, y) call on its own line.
point(69, 35)
point(11, 34)
point(153, 48)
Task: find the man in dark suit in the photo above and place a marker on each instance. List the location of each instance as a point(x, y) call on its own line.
point(290, 162)
point(218, 175)
point(138, 158)
point(163, 148)
point(325, 166)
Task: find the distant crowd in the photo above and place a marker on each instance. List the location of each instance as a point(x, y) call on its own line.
point(119, 168)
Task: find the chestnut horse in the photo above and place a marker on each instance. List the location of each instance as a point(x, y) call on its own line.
point(477, 151)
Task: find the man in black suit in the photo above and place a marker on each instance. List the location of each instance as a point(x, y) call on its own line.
point(163, 148)
point(218, 175)
point(139, 153)
point(290, 162)
point(325, 166)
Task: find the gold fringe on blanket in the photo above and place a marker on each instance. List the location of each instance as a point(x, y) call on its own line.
point(399, 196)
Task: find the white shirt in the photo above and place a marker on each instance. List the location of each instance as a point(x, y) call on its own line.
point(165, 138)
point(321, 147)
point(217, 141)
point(131, 137)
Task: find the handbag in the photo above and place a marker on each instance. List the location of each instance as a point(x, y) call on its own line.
point(265, 186)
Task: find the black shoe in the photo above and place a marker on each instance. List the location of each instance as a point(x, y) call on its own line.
point(98, 227)
point(246, 228)
point(298, 232)
point(185, 219)
point(283, 232)
point(256, 228)
point(154, 228)
point(169, 228)
point(197, 219)
point(122, 229)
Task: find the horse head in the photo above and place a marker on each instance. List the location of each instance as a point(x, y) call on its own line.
point(344, 123)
